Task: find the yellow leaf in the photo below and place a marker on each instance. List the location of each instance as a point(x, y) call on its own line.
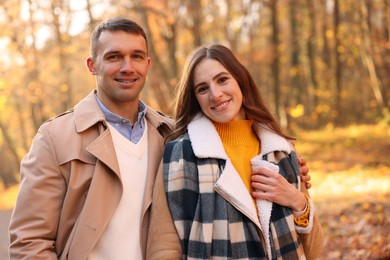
point(379, 208)
point(365, 206)
point(344, 219)
point(297, 111)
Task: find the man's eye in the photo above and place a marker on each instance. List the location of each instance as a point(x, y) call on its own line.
point(113, 57)
point(138, 57)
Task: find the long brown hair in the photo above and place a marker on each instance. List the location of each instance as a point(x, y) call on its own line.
point(186, 106)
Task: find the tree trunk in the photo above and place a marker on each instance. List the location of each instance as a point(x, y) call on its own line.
point(62, 39)
point(338, 65)
point(32, 78)
point(92, 21)
point(294, 62)
point(311, 50)
point(160, 70)
point(195, 10)
point(275, 61)
point(367, 59)
point(7, 174)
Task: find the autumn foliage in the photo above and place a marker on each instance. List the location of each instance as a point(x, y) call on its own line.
point(322, 66)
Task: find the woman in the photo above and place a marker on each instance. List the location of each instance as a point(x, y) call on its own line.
point(226, 147)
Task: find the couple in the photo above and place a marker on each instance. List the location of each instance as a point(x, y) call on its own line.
point(89, 188)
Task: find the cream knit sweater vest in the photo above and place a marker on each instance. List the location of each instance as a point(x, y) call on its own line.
point(121, 238)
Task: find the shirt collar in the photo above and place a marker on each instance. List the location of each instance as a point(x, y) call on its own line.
point(114, 118)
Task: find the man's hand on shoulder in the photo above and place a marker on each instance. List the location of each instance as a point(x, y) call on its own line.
point(304, 172)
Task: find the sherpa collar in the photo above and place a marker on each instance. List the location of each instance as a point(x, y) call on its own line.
point(207, 143)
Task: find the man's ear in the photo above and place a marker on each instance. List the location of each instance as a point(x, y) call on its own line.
point(91, 65)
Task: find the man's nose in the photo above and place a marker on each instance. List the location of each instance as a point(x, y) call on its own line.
point(127, 65)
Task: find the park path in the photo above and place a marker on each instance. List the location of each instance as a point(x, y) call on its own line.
point(4, 240)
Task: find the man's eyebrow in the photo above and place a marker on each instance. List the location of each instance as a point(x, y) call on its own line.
point(111, 52)
point(119, 52)
point(140, 52)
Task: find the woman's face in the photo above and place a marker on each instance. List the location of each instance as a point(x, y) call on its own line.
point(217, 92)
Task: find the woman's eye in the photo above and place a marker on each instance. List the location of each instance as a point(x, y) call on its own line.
point(223, 79)
point(201, 89)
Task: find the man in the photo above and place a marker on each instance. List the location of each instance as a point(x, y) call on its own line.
point(86, 183)
point(85, 188)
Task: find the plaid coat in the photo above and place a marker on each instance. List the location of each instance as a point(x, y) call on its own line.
point(212, 210)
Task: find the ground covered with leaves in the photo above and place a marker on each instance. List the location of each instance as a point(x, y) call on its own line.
point(350, 169)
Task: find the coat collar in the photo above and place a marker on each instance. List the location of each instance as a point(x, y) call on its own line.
point(88, 113)
point(207, 143)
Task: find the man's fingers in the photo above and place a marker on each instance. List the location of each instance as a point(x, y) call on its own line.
point(304, 170)
point(302, 161)
point(305, 178)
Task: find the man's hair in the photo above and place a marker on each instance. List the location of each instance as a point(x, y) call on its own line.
point(112, 25)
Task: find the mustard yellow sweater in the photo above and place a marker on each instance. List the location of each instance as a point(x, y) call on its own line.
point(241, 145)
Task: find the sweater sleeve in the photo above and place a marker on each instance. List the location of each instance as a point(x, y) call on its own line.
point(163, 240)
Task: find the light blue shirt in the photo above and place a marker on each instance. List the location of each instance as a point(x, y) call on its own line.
point(123, 125)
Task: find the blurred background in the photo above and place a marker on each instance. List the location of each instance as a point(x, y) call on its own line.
point(323, 66)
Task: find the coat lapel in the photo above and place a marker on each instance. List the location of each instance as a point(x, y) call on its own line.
point(103, 149)
point(155, 152)
point(207, 144)
point(102, 199)
point(232, 188)
point(105, 190)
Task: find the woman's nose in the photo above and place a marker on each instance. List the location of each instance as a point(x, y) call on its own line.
point(215, 92)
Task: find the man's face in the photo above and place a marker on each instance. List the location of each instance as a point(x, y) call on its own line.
point(120, 67)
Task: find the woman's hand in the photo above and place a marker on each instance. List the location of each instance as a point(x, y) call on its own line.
point(274, 187)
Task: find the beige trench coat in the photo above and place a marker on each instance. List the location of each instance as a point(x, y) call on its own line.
point(71, 184)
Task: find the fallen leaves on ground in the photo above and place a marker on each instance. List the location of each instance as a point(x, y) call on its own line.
point(350, 170)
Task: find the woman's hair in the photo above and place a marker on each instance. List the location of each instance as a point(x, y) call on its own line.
point(186, 106)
